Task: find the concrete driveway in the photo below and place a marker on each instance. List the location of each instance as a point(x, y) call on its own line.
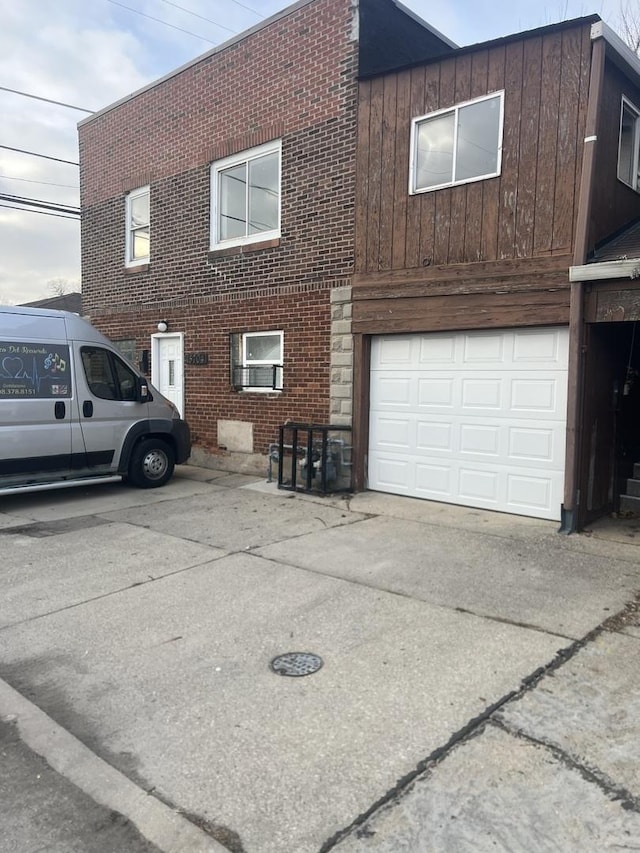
point(462, 651)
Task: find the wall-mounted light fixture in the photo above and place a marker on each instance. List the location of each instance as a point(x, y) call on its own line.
point(163, 326)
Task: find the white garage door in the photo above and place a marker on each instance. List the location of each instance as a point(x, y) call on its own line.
point(471, 418)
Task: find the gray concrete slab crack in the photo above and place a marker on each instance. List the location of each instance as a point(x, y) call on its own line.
point(594, 775)
point(477, 725)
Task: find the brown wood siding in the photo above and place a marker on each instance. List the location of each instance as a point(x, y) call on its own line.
point(362, 169)
point(614, 203)
point(491, 189)
point(513, 292)
point(528, 154)
point(466, 311)
point(418, 220)
point(401, 182)
point(529, 210)
point(510, 151)
point(583, 125)
point(568, 135)
point(545, 193)
point(374, 201)
point(613, 301)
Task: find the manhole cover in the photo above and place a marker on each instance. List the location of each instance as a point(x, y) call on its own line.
point(296, 663)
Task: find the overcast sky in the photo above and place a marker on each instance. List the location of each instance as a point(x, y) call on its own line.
point(90, 53)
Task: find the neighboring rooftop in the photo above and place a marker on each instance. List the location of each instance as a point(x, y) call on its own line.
point(65, 302)
point(623, 246)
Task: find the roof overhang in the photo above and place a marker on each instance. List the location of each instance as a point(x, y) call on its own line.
point(605, 270)
point(617, 51)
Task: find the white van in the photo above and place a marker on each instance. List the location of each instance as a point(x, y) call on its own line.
point(73, 410)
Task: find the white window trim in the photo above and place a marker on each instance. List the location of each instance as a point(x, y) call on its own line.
point(635, 185)
point(236, 159)
point(252, 389)
point(128, 260)
point(413, 190)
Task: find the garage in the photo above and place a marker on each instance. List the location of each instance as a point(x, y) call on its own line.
point(471, 418)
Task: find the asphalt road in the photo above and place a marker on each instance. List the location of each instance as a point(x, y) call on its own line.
point(40, 810)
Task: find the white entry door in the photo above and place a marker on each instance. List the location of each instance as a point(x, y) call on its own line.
point(167, 367)
point(471, 418)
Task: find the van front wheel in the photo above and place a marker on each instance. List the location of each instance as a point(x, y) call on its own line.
point(152, 463)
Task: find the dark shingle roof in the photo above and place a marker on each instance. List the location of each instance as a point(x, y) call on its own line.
point(66, 302)
point(622, 246)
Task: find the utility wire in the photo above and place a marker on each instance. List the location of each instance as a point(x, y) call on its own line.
point(166, 23)
point(35, 202)
point(248, 8)
point(34, 154)
point(46, 100)
point(202, 18)
point(46, 183)
point(43, 212)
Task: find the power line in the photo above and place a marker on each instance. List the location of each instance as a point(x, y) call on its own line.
point(202, 18)
point(34, 154)
point(166, 23)
point(248, 8)
point(46, 183)
point(35, 202)
point(46, 100)
point(43, 212)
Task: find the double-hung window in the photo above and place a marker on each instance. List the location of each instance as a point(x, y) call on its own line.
point(245, 197)
point(256, 361)
point(457, 145)
point(137, 227)
point(629, 145)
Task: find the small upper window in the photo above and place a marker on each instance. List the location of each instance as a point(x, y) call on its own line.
point(629, 146)
point(137, 227)
point(245, 197)
point(457, 145)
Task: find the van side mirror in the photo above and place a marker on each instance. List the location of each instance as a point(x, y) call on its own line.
point(143, 391)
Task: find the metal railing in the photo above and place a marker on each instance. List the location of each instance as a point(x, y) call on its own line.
point(257, 376)
point(313, 457)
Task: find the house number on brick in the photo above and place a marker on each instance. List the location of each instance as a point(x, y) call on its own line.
point(197, 358)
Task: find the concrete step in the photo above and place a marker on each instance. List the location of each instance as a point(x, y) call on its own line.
point(630, 504)
point(636, 470)
point(633, 488)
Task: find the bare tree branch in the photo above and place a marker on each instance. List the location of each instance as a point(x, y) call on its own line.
point(629, 24)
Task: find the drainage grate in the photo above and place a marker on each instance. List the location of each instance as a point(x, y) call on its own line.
point(296, 663)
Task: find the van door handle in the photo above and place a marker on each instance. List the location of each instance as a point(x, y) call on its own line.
point(87, 408)
point(60, 410)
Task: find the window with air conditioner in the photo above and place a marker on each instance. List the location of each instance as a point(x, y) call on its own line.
point(257, 360)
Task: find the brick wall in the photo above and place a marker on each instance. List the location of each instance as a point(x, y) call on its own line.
point(292, 80)
point(303, 317)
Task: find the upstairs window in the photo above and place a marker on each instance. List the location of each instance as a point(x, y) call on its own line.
point(256, 361)
point(629, 145)
point(245, 197)
point(137, 227)
point(457, 145)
